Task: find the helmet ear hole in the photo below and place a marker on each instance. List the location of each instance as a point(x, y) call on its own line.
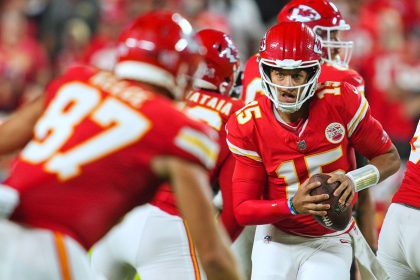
point(267, 70)
point(311, 72)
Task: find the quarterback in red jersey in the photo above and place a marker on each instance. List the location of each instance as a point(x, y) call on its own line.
point(102, 145)
point(163, 243)
point(325, 19)
point(301, 128)
point(398, 248)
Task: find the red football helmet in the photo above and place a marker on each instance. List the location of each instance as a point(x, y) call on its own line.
point(290, 45)
point(324, 18)
point(159, 48)
point(221, 61)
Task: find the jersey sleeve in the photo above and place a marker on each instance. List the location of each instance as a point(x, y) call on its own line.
point(248, 184)
point(250, 177)
point(198, 143)
point(175, 134)
point(355, 80)
point(238, 139)
point(225, 181)
point(364, 131)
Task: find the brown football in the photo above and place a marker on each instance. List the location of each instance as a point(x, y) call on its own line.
point(338, 217)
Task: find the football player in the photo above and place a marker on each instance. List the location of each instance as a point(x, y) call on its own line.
point(326, 20)
point(102, 144)
point(162, 239)
point(301, 128)
point(398, 248)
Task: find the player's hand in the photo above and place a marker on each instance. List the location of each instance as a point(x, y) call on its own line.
point(305, 203)
point(345, 190)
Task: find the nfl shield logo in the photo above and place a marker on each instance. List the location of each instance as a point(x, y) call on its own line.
point(301, 144)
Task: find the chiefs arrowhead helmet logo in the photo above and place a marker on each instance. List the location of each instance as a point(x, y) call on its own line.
point(318, 45)
point(230, 52)
point(304, 13)
point(263, 45)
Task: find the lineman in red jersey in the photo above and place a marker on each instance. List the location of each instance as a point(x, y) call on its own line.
point(163, 245)
point(398, 248)
point(102, 146)
point(294, 132)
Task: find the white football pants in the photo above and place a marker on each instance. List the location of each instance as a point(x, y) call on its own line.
point(155, 243)
point(242, 250)
point(281, 256)
point(38, 254)
point(399, 243)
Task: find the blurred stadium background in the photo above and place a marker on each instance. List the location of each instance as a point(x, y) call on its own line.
point(41, 38)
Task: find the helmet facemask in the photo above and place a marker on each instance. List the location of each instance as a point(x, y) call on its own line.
point(304, 91)
point(330, 44)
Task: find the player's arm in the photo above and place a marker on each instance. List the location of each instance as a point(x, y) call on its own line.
point(365, 217)
point(16, 130)
point(192, 190)
point(250, 178)
point(369, 139)
point(365, 206)
point(249, 182)
point(225, 181)
point(380, 168)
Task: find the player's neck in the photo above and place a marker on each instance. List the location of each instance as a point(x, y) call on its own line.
point(295, 117)
point(295, 124)
point(157, 89)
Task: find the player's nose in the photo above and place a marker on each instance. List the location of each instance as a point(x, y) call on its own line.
point(287, 81)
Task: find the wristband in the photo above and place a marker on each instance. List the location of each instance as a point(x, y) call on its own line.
point(364, 177)
point(291, 207)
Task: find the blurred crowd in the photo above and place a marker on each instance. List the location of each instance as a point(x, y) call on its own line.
point(39, 39)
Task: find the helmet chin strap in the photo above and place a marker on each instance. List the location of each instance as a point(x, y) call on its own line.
point(288, 110)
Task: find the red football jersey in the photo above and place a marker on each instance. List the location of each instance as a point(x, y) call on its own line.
point(251, 82)
point(339, 119)
point(252, 87)
point(333, 73)
point(88, 163)
point(213, 109)
point(409, 191)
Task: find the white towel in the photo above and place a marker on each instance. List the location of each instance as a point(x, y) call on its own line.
point(368, 264)
point(9, 199)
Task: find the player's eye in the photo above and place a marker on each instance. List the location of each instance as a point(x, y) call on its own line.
point(279, 74)
point(298, 77)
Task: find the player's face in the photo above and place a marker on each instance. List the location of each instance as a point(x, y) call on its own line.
point(288, 78)
point(334, 37)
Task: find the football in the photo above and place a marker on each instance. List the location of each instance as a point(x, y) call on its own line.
point(338, 217)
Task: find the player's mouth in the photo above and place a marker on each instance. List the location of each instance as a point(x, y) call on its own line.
point(287, 97)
